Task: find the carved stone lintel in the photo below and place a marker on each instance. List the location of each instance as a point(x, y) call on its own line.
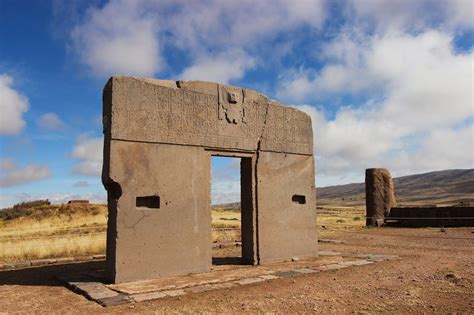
point(231, 105)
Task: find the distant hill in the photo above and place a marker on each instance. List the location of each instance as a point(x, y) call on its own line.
point(228, 206)
point(442, 187)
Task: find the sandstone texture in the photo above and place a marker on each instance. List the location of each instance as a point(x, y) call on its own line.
point(159, 137)
point(379, 195)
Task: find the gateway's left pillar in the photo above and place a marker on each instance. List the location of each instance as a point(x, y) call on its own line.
point(159, 220)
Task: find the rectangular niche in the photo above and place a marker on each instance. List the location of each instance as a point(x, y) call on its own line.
point(152, 202)
point(299, 199)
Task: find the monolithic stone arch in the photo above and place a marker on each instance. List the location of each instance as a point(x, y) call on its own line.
point(159, 138)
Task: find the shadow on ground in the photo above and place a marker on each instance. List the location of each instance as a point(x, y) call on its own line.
point(46, 275)
point(219, 261)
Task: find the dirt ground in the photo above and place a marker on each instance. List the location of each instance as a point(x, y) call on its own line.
point(434, 275)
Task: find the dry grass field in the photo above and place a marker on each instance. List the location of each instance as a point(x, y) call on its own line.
point(333, 217)
point(46, 231)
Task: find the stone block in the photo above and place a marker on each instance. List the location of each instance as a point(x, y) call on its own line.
point(379, 195)
point(249, 281)
point(147, 296)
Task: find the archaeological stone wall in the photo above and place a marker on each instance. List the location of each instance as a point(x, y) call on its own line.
point(159, 137)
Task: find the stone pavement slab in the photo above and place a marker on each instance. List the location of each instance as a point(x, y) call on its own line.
point(221, 277)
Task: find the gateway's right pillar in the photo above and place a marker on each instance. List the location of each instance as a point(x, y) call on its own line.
point(285, 187)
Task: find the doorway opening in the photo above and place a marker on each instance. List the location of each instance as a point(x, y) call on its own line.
point(232, 210)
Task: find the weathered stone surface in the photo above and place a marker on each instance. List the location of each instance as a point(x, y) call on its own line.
point(17, 265)
point(328, 253)
point(93, 290)
point(306, 270)
point(114, 300)
point(174, 292)
point(379, 195)
point(431, 215)
point(269, 277)
point(250, 280)
point(159, 138)
point(115, 294)
point(204, 114)
point(200, 288)
point(286, 225)
point(147, 296)
point(286, 274)
point(225, 285)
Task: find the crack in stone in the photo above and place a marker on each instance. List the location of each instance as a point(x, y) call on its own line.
point(256, 180)
point(143, 216)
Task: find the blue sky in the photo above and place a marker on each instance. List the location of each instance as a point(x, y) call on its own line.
point(385, 85)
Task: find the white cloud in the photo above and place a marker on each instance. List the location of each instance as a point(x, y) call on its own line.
point(88, 151)
point(383, 64)
point(12, 175)
point(460, 12)
point(225, 183)
point(8, 200)
point(12, 106)
point(442, 148)
point(50, 121)
point(350, 143)
point(118, 39)
point(225, 192)
point(419, 96)
point(223, 68)
point(404, 15)
point(128, 37)
point(229, 23)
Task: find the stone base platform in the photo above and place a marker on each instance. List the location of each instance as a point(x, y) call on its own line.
point(220, 277)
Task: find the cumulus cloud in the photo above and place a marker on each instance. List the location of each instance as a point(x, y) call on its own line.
point(11, 174)
point(228, 23)
point(404, 15)
point(88, 153)
point(12, 106)
point(418, 104)
point(383, 64)
point(128, 37)
point(225, 184)
point(118, 38)
point(442, 148)
point(222, 68)
point(350, 143)
point(50, 121)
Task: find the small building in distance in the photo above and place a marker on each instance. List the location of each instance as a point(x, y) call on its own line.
point(78, 201)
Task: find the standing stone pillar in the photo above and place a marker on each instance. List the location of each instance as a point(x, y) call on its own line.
point(379, 195)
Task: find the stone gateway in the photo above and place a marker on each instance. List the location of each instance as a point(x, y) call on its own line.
point(159, 137)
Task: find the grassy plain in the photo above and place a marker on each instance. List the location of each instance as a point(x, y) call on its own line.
point(64, 230)
point(53, 231)
point(47, 231)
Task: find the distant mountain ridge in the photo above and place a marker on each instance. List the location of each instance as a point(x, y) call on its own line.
point(227, 206)
point(440, 187)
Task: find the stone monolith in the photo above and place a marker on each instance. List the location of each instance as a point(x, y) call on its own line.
point(379, 195)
